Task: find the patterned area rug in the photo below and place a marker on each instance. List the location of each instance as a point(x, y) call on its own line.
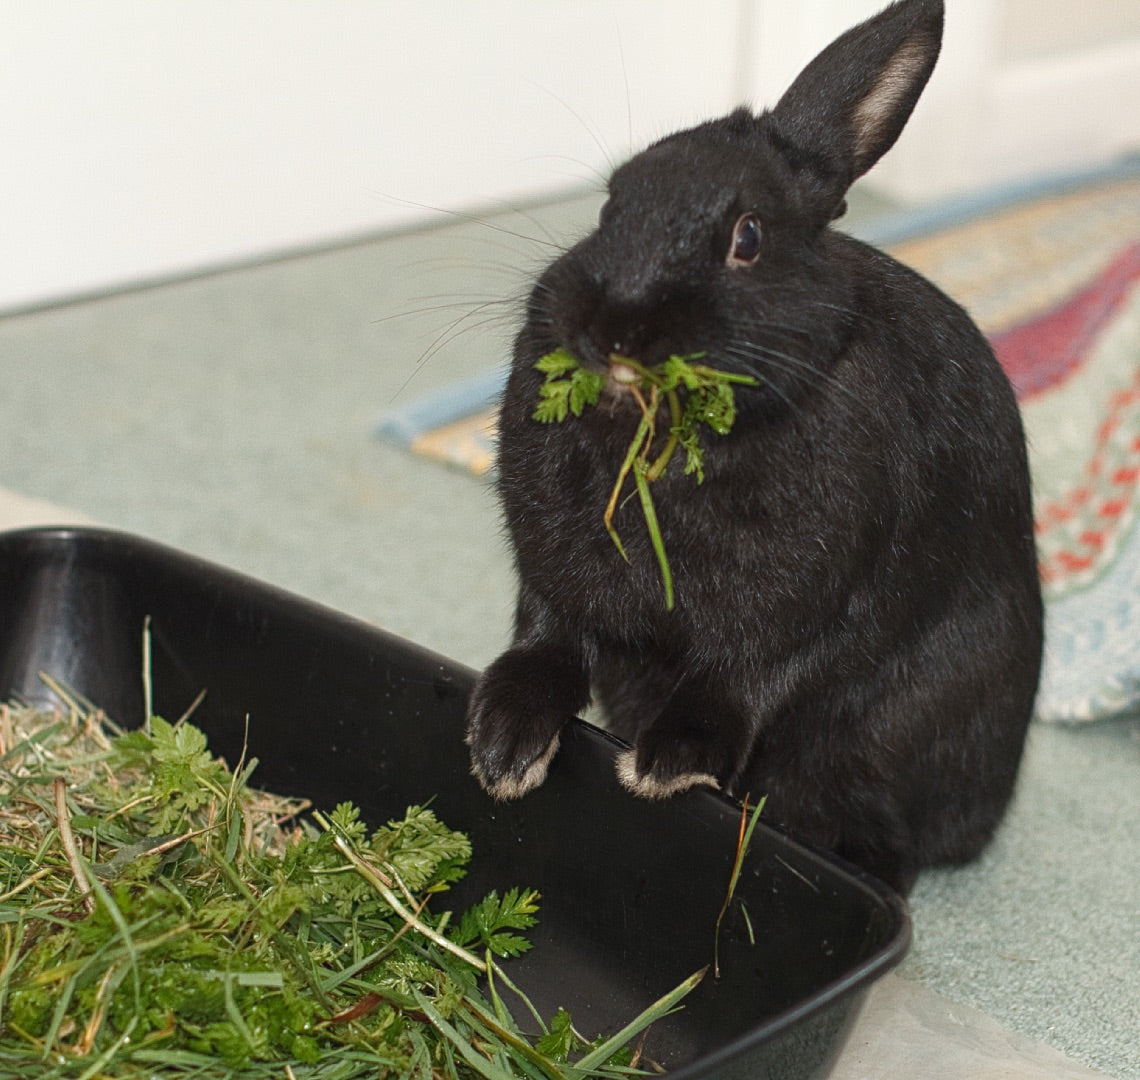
point(1054, 281)
point(1052, 276)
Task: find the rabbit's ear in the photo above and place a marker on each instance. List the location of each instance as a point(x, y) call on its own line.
point(849, 105)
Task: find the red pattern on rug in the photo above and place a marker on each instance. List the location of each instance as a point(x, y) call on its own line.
point(1042, 352)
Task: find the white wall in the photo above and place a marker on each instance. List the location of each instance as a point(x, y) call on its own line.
point(146, 137)
point(1023, 87)
point(150, 137)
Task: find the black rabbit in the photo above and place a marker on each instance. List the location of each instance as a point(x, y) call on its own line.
point(858, 626)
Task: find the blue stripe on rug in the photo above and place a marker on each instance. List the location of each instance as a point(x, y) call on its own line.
point(433, 410)
point(901, 225)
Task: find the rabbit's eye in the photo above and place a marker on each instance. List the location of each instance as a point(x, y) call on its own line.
point(745, 248)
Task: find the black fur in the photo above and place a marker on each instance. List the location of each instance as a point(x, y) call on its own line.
point(857, 633)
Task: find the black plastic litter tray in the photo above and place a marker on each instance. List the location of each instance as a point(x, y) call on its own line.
point(340, 710)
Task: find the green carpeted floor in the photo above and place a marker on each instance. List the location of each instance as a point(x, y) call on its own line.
point(231, 415)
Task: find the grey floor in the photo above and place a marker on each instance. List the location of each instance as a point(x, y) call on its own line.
point(231, 415)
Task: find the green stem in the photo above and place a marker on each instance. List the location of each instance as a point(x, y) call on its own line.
point(651, 523)
point(716, 375)
point(483, 1066)
point(643, 433)
point(660, 1008)
point(747, 827)
point(390, 898)
point(662, 462)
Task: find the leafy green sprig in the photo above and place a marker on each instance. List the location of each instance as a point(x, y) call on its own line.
point(693, 393)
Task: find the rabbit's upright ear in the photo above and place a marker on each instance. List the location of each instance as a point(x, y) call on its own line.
point(849, 105)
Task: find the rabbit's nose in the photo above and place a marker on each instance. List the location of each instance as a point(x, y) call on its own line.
point(617, 330)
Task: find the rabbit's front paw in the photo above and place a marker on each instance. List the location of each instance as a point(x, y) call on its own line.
point(516, 712)
point(690, 744)
point(658, 782)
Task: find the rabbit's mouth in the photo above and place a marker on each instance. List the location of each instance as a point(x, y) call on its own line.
point(622, 377)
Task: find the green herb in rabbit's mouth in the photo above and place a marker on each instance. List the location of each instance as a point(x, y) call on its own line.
point(694, 394)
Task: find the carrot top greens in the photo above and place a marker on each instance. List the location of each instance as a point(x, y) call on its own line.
point(694, 394)
point(159, 917)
